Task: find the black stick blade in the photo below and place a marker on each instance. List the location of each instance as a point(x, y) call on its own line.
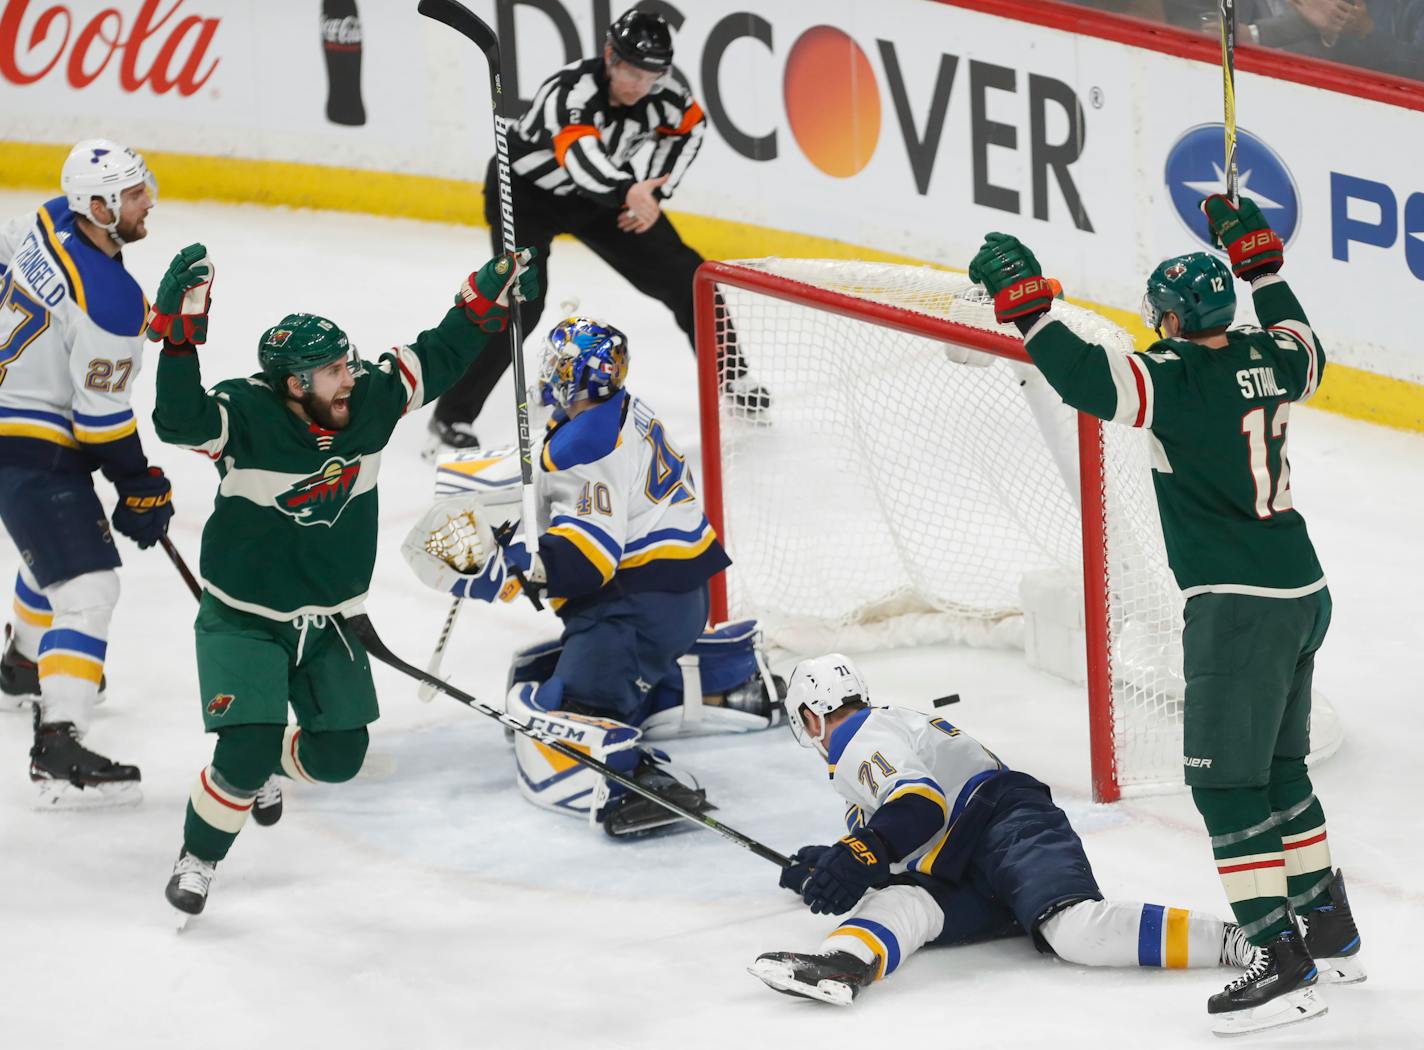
point(465, 22)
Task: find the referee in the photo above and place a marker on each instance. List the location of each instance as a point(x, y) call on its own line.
point(572, 161)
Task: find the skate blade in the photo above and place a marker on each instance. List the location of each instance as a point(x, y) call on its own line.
point(22, 703)
point(1304, 1004)
point(1343, 969)
point(782, 977)
point(61, 795)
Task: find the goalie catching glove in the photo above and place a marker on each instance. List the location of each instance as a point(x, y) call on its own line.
point(1006, 267)
point(453, 549)
point(486, 293)
point(185, 294)
point(1255, 249)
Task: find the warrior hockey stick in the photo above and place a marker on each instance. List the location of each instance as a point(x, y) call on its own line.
point(181, 566)
point(461, 19)
point(363, 629)
point(1226, 9)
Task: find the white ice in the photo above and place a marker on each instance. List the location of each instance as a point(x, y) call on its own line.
point(431, 907)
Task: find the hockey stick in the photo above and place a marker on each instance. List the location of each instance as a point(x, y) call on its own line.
point(181, 566)
point(426, 692)
point(1226, 9)
point(461, 19)
point(362, 627)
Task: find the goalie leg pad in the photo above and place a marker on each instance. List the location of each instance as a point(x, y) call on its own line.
point(554, 781)
point(728, 662)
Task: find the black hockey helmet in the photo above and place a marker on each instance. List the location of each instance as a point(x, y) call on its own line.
point(643, 39)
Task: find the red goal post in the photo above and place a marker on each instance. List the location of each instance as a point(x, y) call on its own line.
point(1090, 450)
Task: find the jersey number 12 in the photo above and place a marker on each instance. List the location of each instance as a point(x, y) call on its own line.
point(1253, 425)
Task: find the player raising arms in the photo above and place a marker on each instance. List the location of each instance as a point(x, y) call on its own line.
point(291, 542)
point(71, 346)
point(576, 158)
point(977, 851)
point(1218, 402)
point(623, 553)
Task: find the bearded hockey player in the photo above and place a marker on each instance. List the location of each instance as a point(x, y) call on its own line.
point(623, 552)
point(1217, 401)
point(71, 347)
point(947, 845)
point(291, 542)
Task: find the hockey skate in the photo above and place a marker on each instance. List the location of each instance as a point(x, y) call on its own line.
point(632, 814)
point(187, 888)
point(1279, 989)
point(70, 776)
point(1332, 939)
point(749, 400)
point(448, 437)
point(267, 805)
point(836, 978)
point(20, 678)
point(1236, 951)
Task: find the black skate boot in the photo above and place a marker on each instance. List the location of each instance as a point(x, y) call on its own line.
point(1278, 989)
point(836, 978)
point(448, 437)
point(187, 888)
point(632, 814)
point(20, 677)
point(1332, 939)
point(70, 776)
point(750, 401)
point(267, 806)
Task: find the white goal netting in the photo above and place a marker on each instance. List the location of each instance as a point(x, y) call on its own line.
point(903, 484)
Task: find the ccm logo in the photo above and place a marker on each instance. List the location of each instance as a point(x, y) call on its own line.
point(1196, 763)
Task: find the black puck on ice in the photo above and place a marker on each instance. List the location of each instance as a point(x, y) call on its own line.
point(945, 701)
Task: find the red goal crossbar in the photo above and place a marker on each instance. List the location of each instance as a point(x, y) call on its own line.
point(1090, 455)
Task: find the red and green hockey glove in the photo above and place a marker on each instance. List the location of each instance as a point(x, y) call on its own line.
point(1254, 247)
point(486, 292)
point(1013, 277)
point(185, 294)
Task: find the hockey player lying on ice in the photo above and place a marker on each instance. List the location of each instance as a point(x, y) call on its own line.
point(947, 845)
point(623, 554)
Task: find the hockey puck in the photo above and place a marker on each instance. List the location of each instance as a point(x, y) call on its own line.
point(945, 701)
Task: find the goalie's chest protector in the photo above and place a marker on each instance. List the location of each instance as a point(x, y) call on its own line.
point(293, 528)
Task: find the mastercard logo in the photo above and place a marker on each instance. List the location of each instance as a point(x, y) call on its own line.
point(832, 101)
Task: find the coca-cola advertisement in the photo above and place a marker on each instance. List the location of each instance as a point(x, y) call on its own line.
point(341, 43)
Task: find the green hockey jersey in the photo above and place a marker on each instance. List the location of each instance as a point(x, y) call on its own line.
point(293, 528)
point(1219, 420)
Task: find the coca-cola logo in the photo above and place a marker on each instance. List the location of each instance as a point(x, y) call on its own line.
point(34, 45)
point(341, 32)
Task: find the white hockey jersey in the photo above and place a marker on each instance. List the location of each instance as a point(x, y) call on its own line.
point(620, 506)
point(71, 346)
point(918, 772)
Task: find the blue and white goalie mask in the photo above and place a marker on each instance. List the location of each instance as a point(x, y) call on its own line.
point(584, 360)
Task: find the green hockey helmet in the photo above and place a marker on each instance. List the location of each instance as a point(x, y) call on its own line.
point(1196, 287)
point(298, 345)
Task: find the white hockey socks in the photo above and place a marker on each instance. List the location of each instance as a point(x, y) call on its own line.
point(1116, 933)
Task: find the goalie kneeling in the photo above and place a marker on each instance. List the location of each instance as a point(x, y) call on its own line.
point(624, 553)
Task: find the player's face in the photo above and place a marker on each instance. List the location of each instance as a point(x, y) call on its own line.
point(134, 205)
point(328, 402)
point(627, 84)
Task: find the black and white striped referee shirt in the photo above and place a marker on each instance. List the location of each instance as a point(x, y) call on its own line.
point(575, 140)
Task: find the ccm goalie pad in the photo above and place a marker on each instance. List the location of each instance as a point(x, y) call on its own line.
point(556, 782)
point(724, 684)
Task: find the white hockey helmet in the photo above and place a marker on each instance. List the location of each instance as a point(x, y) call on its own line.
point(104, 169)
point(823, 685)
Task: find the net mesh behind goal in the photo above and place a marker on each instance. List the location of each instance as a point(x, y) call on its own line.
point(914, 467)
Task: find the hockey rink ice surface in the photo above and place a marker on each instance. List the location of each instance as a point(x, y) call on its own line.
point(426, 905)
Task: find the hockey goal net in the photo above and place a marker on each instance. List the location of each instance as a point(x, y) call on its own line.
point(914, 474)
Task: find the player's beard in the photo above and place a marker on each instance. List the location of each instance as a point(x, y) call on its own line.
point(134, 230)
point(319, 410)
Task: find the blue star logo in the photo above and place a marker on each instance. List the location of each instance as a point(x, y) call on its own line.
point(1196, 168)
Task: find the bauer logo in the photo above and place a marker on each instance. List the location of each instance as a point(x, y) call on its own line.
point(1196, 169)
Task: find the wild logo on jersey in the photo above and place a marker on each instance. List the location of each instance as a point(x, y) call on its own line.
point(219, 704)
point(320, 498)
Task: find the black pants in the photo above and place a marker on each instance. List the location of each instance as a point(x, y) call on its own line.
point(655, 262)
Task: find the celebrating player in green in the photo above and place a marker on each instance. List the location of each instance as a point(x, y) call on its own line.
point(291, 542)
point(1217, 402)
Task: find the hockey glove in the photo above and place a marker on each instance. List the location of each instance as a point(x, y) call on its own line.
point(1254, 247)
point(1013, 277)
point(180, 311)
point(803, 863)
point(145, 507)
point(485, 293)
point(845, 871)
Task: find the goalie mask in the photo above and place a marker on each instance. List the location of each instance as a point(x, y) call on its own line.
point(822, 685)
point(1197, 288)
point(584, 360)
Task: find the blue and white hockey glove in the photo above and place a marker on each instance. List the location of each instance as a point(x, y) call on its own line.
point(803, 863)
point(845, 871)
